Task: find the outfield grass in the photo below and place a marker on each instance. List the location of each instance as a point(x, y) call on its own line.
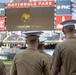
point(7, 62)
point(8, 65)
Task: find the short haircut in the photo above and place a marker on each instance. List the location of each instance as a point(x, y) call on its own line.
point(40, 46)
point(32, 39)
point(69, 29)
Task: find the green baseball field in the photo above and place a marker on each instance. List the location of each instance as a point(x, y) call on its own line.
point(8, 65)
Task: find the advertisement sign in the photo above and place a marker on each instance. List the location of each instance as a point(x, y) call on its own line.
point(2, 9)
point(2, 23)
point(25, 4)
point(3, 57)
point(60, 19)
point(63, 7)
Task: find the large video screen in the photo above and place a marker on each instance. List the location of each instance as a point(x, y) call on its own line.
point(34, 18)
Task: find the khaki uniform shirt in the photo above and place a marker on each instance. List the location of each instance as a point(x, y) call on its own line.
point(65, 57)
point(2, 68)
point(30, 62)
point(48, 56)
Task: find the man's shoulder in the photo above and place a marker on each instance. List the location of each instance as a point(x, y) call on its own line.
point(33, 54)
point(28, 52)
point(48, 55)
point(40, 55)
point(62, 43)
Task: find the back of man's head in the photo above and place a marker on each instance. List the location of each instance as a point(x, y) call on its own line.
point(68, 26)
point(40, 46)
point(41, 43)
point(32, 39)
point(69, 29)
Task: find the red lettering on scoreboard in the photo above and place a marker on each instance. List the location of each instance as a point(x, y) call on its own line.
point(24, 4)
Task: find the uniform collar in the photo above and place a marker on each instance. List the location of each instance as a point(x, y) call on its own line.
point(31, 49)
point(71, 37)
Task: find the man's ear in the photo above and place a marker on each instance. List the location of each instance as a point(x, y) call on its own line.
point(63, 31)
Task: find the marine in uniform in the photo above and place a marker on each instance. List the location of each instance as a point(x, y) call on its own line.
point(2, 68)
point(30, 61)
point(41, 50)
point(64, 57)
point(41, 47)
